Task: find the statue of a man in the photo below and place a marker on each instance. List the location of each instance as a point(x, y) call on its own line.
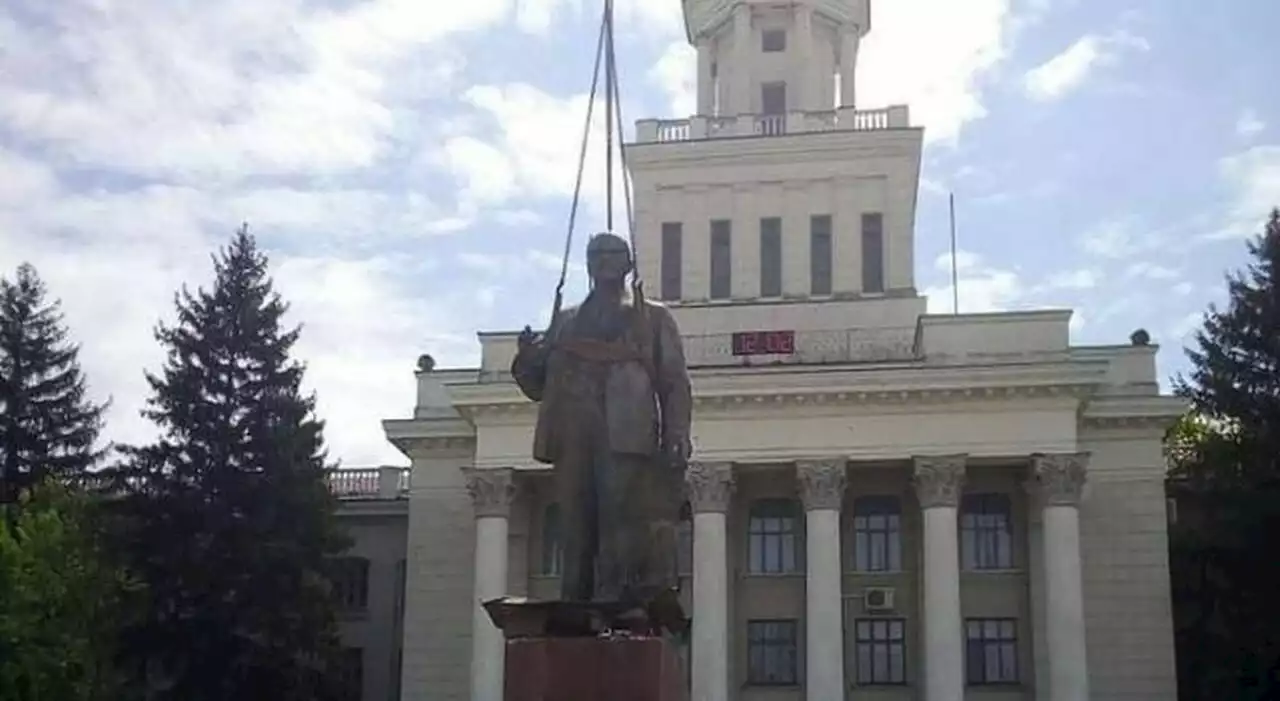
point(613, 420)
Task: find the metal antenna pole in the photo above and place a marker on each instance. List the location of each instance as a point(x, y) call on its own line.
point(610, 91)
point(955, 282)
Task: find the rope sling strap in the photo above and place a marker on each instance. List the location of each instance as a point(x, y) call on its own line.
point(643, 335)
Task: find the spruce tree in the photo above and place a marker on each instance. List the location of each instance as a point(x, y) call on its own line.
point(1226, 562)
point(48, 426)
point(232, 520)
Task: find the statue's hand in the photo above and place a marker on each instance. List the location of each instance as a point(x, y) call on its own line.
point(528, 337)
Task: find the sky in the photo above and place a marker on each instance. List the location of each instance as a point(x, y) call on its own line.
point(408, 165)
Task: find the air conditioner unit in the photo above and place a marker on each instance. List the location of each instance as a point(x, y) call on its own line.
point(877, 599)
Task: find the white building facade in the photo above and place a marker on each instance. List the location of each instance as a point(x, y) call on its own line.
point(883, 503)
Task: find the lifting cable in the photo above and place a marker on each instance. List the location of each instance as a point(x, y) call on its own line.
point(613, 122)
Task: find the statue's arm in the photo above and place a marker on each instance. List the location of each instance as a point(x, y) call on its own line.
point(529, 367)
point(675, 395)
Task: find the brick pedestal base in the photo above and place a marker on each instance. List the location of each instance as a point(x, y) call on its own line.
point(593, 669)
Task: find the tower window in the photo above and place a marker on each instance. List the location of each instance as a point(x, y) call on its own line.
point(820, 254)
point(773, 40)
point(771, 257)
point(721, 259)
point(773, 98)
point(873, 252)
point(672, 260)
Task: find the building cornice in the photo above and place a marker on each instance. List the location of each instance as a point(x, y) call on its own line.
point(834, 145)
point(1143, 413)
point(725, 389)
point(415, 437)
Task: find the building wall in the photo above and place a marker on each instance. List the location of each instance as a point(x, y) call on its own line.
point(1124, 539)
point(441, 547)
point(841, 174)
point(376, 630)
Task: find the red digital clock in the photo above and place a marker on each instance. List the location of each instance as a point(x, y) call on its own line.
point(764, 343)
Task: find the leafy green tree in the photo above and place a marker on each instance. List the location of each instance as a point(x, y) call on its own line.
point(1226, 478)
point(48, 426)
point(62, 601)
point(232, 523)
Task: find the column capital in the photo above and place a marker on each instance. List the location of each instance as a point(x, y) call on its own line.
point(709, 485)
point(492, 490)
point(821, 483)
point(938, 479)
point(1058, 478)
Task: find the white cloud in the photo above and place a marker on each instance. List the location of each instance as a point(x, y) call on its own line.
point(982, 288)
point(676, 73)
point(1151, 271)
point(1074, 280)
point(1253, 181)
point(1068, 71)
point(116, 258)
point(1249, 124)
point(931, 55)
point(535, 149)
point(934, 65)
point(1118, 239)
point(224, 89)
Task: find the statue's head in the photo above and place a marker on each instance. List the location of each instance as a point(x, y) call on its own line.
point(608, 258)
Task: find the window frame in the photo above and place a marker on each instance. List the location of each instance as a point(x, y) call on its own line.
point(771, 252)
point(776, 47)
point(986, 532)
point(349, 584)
point(1006, 646)
point(773, 525)
point(869, 535)
point(764, 648)
point(873, 253)
point(672, 264)
point(871, 641)
point(551, 542)
point(720, 284)
point(820, 229)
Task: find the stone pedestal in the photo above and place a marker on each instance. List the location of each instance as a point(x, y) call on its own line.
point(593, 669)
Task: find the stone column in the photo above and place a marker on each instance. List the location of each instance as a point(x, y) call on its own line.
point(822, 491)
point(492, 491)
point(802, 72)
point(938, 482)
point(740, 92)
point(706, 84)
point(1058, 481)
point(849, 39)
point(710, 486)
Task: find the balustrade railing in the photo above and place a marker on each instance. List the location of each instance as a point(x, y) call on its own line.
point(370, 483)
point(712, 127)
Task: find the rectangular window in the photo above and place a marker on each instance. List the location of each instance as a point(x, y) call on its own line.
point(773, 40)
point(772, 654)
point(881, 651)
point(773, 98)
point(351, 674)
point(991, 650)
point(771, 257)
point(820, 254)
point(986, 532)
point(672, 260)
point(350, 583)
point(877, 534)
point(775, 543)
point(873, 252)
point(721, 259)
